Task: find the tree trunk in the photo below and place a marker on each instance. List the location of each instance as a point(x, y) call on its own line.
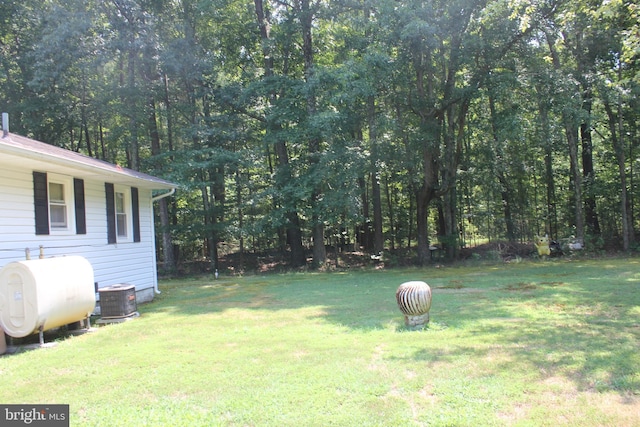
point(209, 223)
point(364, 232)
point(294, 234)
point(618, 146)
point(134, 149)
point(423, 199)
point(306, 20)
point(449, 210)
point(425, 196)
point(168, 250)
point(391, 203)
point(453, 137)
point(168, 259)
point(551, 218)
point(240, 218)
point(84, 125)
point(378, 238)
point(571, 133)
point(584, 67)
point(505, 186)
point(588, 173)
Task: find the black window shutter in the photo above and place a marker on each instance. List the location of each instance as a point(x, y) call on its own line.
point(41, 202)
point(111, 212)
point(135, 211)
point(81, 218)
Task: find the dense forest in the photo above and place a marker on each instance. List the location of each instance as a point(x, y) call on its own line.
point(302, 126)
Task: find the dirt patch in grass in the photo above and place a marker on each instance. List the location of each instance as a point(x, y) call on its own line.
point(531, 286)
point(462, 290)
point(454, 284)
point(521, 286)
point(553, 284)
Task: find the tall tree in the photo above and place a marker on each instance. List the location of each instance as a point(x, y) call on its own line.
point(275, 133)
point(306, 11)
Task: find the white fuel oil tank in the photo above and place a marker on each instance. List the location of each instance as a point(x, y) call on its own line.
point(41, 294)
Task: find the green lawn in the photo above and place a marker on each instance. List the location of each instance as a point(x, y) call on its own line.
point(525, 344)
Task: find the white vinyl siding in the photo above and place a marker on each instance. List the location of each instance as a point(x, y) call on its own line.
point(123, 262)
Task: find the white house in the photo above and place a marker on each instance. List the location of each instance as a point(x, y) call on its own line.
point(64, 203)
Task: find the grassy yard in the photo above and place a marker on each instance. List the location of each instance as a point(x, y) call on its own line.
point(525, 344)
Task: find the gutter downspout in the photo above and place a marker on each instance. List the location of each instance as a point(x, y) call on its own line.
point(5, 124)
point(163, 195)
point(155, 199)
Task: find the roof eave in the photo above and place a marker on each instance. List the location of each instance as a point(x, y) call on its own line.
point(106, 170)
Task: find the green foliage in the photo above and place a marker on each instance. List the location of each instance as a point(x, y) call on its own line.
point(465, 106)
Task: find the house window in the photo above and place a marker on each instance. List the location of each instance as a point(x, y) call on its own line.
point(123, 214)
point(59, 204)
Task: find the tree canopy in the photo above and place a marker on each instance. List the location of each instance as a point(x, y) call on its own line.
point(298, 125)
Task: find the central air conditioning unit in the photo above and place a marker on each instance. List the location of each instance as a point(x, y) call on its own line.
point(118, 301)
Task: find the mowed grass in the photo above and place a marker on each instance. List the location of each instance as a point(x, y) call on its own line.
point(527, 344)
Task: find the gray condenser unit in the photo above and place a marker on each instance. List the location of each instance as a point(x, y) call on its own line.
point(118, 301)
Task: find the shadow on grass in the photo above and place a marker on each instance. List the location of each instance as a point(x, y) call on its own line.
point(51, 338)
point(581, 322)
point(587, 331)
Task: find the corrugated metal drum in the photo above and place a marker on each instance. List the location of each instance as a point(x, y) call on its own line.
point(42, 294)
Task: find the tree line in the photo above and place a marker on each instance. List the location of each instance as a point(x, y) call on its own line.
point(299, 125)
